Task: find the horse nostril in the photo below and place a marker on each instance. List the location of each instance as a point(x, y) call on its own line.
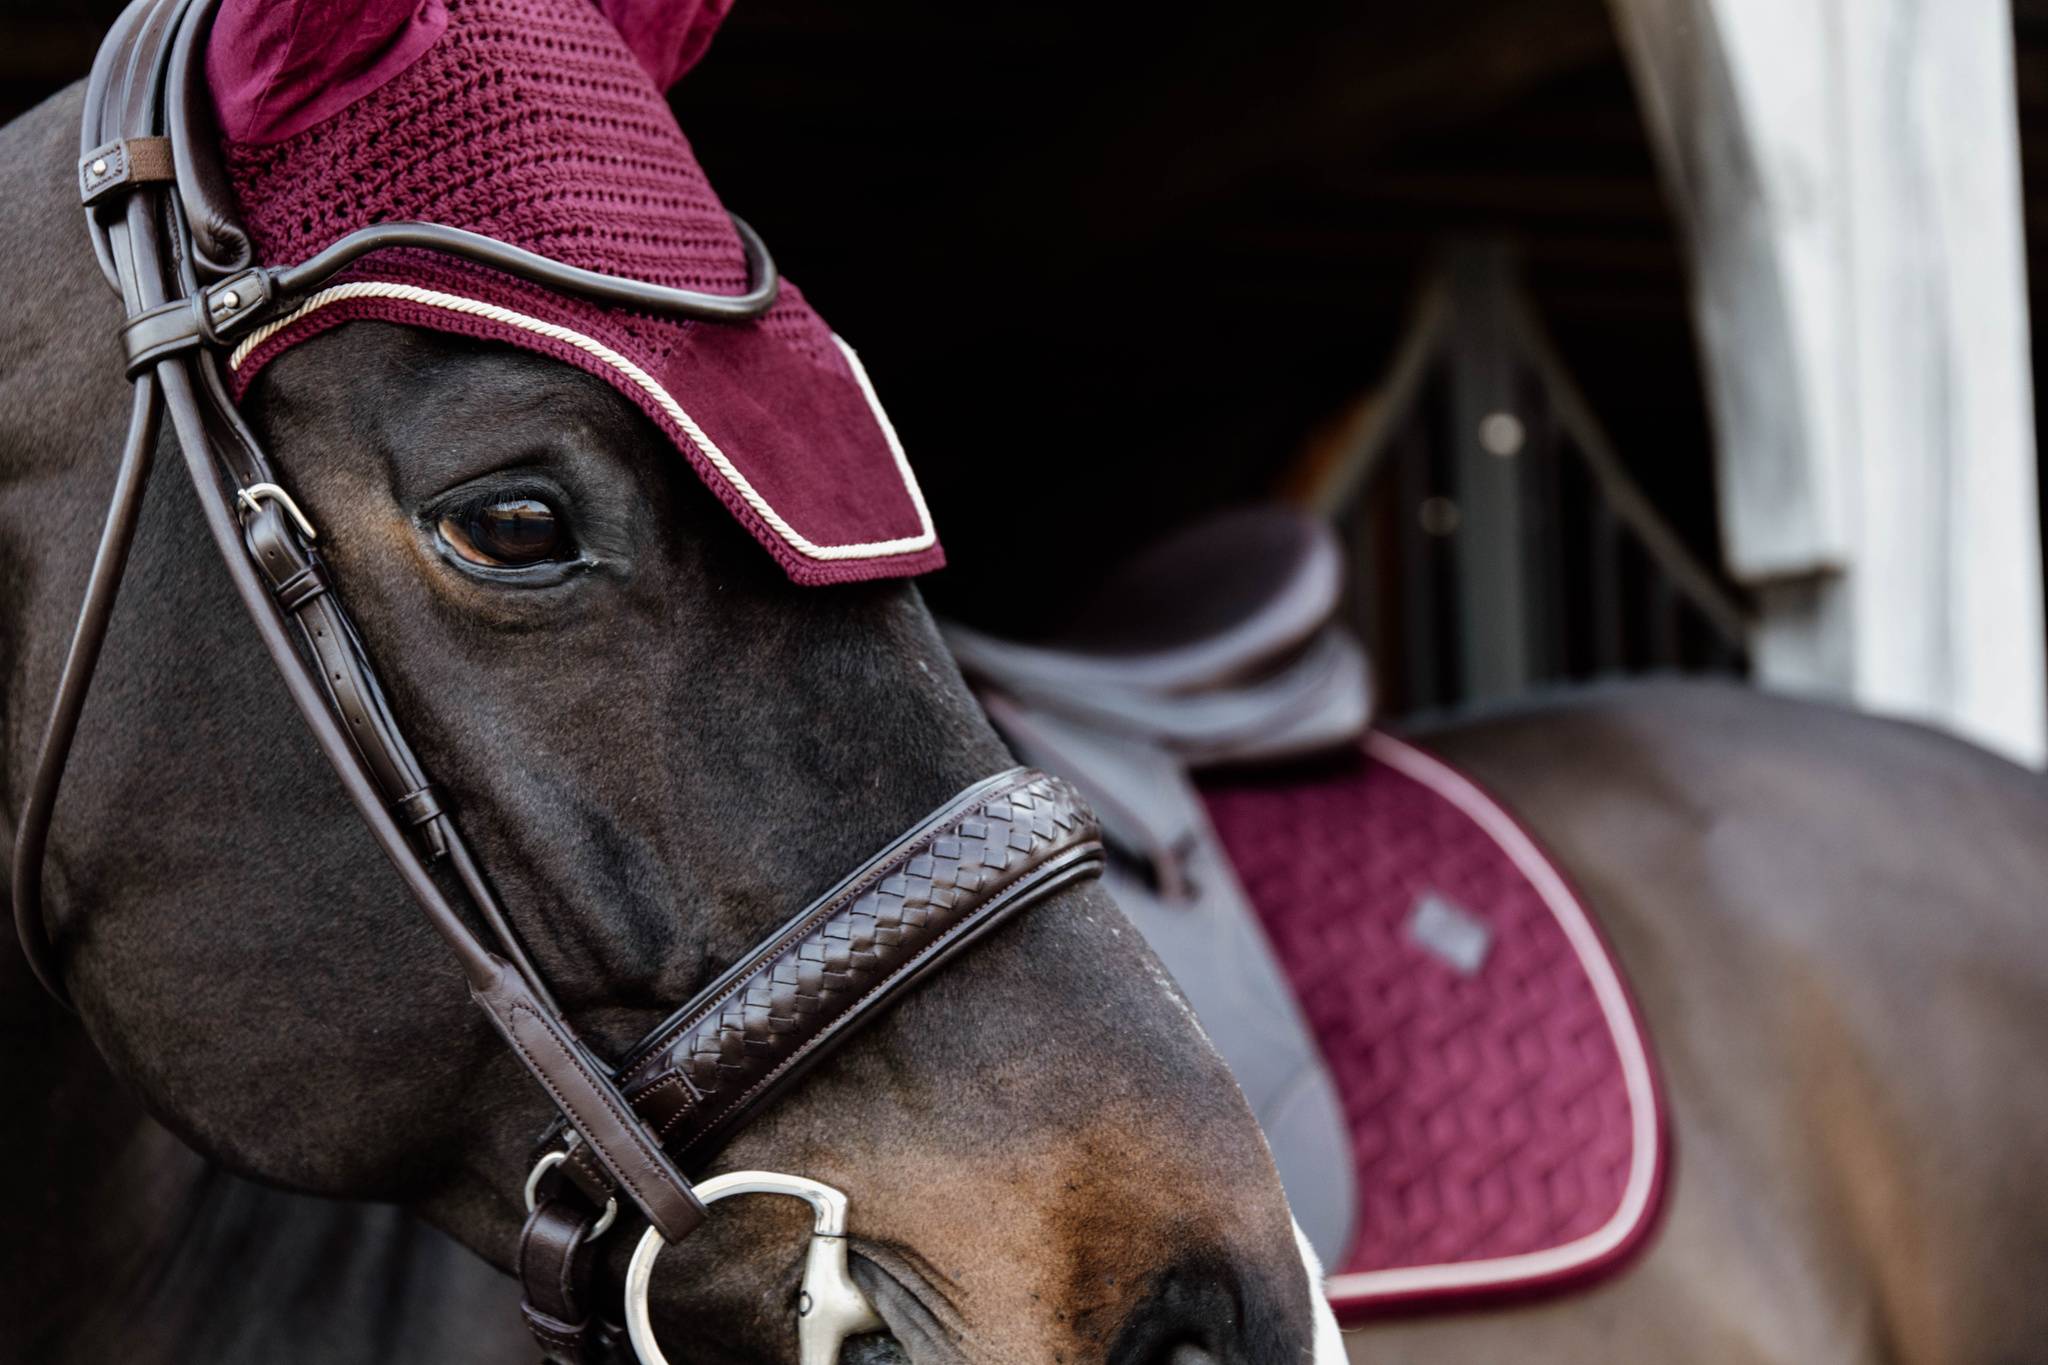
point(873, 1348)
point(1191, 1316)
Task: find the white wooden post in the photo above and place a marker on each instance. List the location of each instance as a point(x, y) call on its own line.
point(1848, 176)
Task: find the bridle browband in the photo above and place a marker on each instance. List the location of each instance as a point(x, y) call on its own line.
point(164, 227)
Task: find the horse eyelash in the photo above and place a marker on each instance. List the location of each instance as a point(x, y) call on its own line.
point(473, 501)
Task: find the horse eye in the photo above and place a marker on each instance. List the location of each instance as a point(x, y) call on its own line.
point(509, 534)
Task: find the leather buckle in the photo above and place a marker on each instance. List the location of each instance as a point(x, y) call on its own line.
point(251, 499)
point(547, 1163)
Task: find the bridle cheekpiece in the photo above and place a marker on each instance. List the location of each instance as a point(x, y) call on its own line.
point(164, 228)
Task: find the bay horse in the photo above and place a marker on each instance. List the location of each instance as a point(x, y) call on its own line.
point(277, 1129)
point(1833, 925)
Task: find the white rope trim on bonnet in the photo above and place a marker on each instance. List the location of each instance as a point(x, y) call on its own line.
point(456, 303)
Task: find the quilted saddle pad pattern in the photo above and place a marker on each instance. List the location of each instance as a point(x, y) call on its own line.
point(1499, 1089)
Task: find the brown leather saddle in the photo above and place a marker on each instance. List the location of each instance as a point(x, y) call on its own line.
point(164, 228)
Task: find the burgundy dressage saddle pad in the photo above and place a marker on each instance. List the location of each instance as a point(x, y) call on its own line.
point(1419, 1010)
point(1498, 1092)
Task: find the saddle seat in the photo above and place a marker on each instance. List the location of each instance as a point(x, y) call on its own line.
point(1214, 646)
point(1421, 1014)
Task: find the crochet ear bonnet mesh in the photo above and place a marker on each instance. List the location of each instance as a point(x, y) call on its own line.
point(537, 122)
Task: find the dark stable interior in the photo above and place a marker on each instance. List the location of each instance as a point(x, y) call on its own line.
point(1111, 266)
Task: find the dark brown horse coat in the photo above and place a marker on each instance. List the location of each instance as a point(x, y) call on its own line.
point(1834, 925)
point(658, 757)
point(1836, 930)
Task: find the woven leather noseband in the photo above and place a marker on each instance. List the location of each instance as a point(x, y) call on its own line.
point(164, 228)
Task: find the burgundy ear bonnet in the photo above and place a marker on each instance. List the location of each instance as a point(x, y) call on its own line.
point(542, 123)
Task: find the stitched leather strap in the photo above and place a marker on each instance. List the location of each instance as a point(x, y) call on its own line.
point(629, 1154)
point(189, 324)
point(1003, 844)
point(299, 582)
point(122, 164)
point(555, 1272)
point(141, 247)
point(999, 846)
point(217, 241)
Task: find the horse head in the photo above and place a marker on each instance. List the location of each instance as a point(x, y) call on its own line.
point(660, 746)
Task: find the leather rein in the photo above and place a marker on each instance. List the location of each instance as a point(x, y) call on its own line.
point(163, 225)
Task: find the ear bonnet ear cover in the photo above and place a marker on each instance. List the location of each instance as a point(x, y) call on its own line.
point(542, 123)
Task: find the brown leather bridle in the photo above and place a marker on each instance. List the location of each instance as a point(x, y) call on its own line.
point(163, 225)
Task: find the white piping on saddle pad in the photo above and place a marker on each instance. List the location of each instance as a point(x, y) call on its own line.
point(926, 537)
point(1627, 1221)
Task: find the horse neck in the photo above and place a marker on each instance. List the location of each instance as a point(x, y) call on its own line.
point(123, 1244)
point(109, 1184)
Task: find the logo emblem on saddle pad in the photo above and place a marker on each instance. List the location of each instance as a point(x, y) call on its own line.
point(1459, 939)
